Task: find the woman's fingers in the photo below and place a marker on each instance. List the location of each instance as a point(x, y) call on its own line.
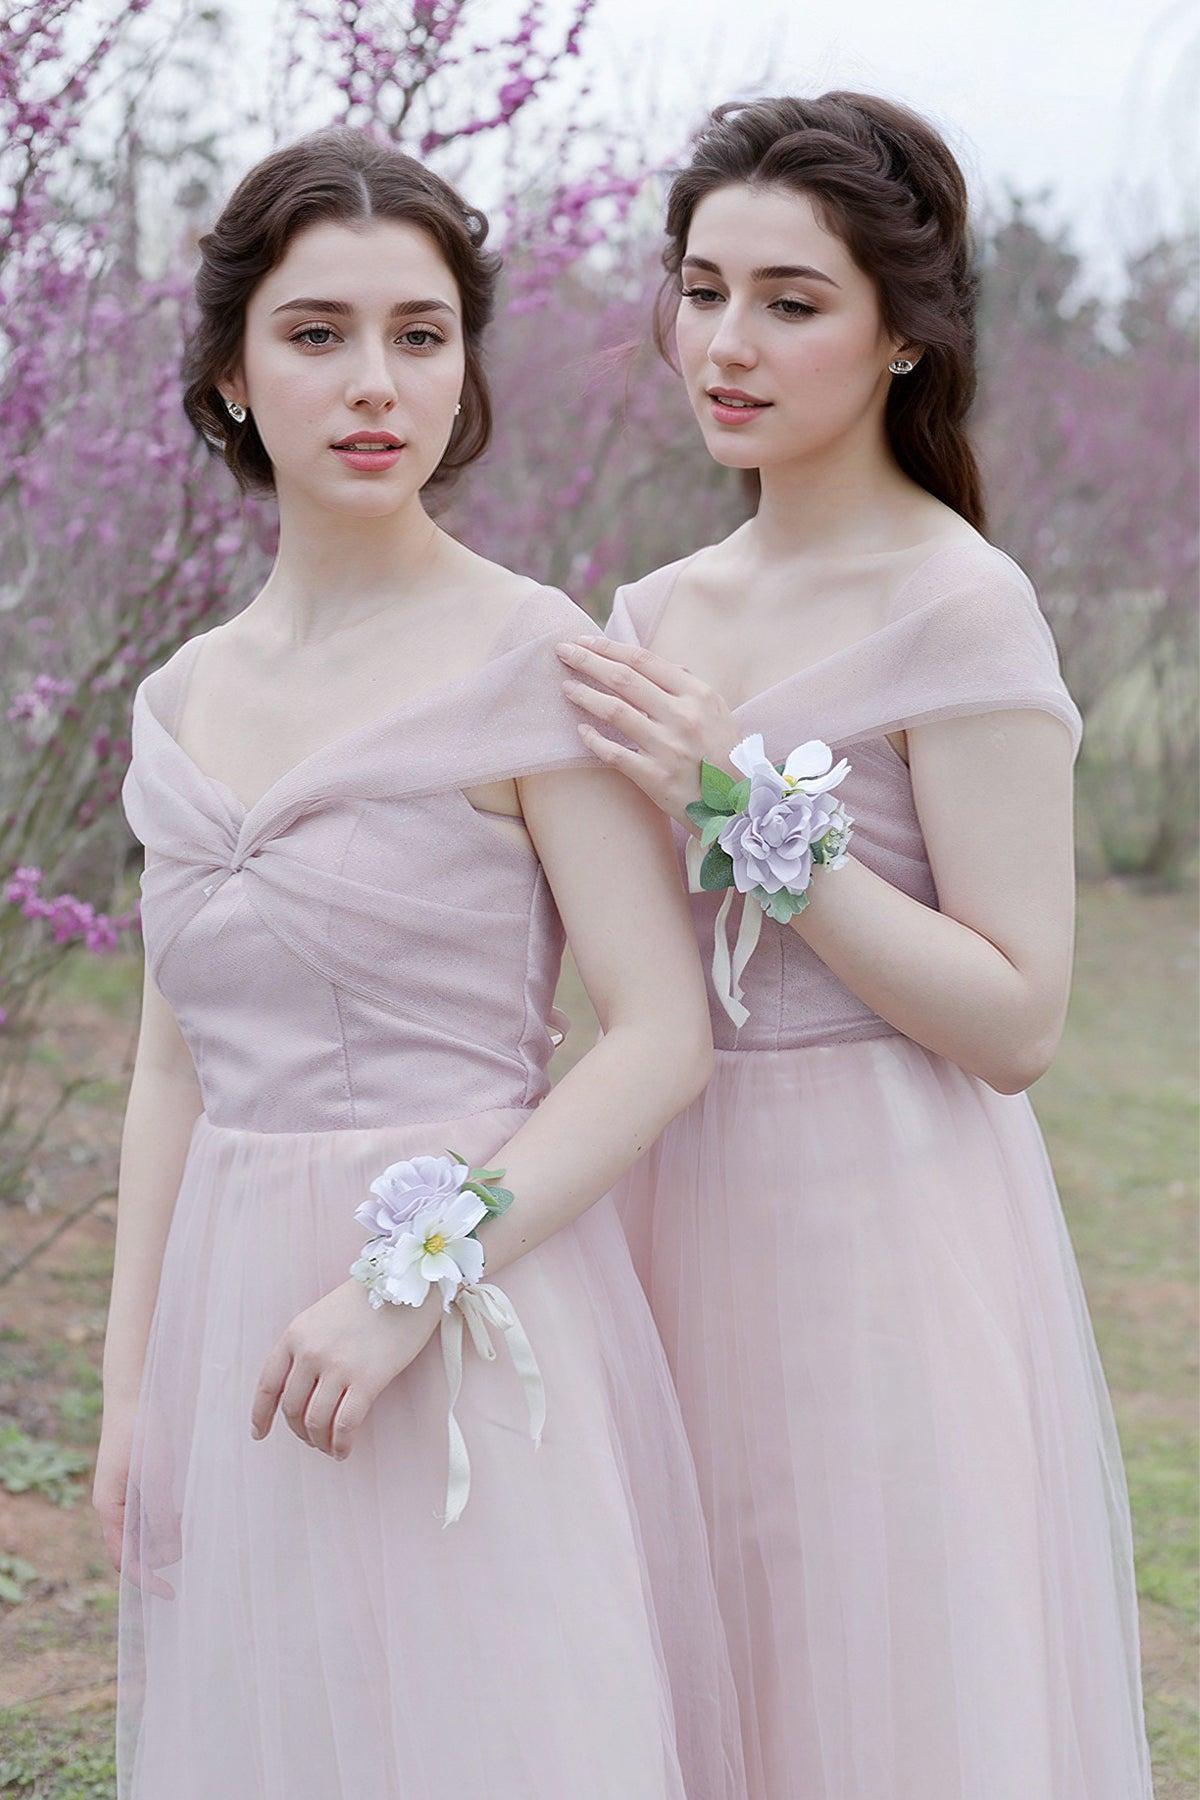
point(316, 1404)
point(269, 1390)
point(614, 711)
point(348, 1416)
point(297, 1392)
point(632, 763)
point(602, 659)
point(320, 1411)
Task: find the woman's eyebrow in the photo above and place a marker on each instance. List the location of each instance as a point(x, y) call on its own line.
point(776, 272)
point(342, 308)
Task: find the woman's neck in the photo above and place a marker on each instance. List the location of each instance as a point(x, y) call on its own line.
point(850, 500)
point(333, 571)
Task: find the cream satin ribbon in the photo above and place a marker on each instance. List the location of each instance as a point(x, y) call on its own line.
point(481, 1304)
point(727, 973)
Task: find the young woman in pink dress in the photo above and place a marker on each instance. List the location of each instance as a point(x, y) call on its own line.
point(852, 1240)
point(368, 819)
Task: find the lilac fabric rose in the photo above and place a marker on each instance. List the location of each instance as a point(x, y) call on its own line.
point(407, 1188)
point(770, 843)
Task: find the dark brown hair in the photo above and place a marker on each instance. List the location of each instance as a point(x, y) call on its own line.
point(346, 175)
point(884, 181)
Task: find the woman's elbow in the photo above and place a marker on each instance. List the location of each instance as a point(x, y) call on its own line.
point(698, 1067)
point(1026, 1063)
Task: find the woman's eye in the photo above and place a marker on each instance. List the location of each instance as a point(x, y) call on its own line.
point(703, 295)
point(421, 337)
point(796, 309)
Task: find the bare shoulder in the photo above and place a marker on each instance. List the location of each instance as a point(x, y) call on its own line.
point(491, 584)
point(965, 567)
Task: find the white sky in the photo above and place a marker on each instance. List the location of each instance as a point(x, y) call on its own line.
point(1096, 98)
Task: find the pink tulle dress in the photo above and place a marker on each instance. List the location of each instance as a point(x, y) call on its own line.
point(857, 1258)
point(363, 967)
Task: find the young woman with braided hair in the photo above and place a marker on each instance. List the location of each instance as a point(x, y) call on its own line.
point(852, 1240)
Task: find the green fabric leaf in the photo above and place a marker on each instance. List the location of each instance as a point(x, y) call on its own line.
point(783, 906)
point(496, 1199)
point(716, 871)
point(739, 794)
point(715, 786)
point(714, 828)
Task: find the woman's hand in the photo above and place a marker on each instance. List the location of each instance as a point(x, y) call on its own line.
point(334, 1360)
point(671, 716)
point(151, 1540)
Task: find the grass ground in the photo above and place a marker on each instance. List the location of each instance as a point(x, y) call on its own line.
point(1119, 1113)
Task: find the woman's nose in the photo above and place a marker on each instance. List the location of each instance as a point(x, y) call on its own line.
point(372, 384)
point(731, 343)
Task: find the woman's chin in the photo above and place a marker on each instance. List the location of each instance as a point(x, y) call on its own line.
point(373, 498)
point(733, 455)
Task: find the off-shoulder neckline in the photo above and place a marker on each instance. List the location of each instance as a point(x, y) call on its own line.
point(179, 667)
point(646, 637)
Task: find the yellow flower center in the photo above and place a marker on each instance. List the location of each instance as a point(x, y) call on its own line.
point(435, 1244)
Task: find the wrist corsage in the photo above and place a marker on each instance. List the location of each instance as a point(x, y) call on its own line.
point(423, 1215)
point(762, 837)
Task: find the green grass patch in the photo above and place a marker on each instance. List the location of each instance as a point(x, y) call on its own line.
point(1120, 1118)
point(1161, 1470)
point(40, 1466)
point(39, 1761)
point(15, 1575)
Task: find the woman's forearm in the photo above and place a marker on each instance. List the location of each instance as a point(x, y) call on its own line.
point(161, 1111)
point(933, 978)
point(592, 1127)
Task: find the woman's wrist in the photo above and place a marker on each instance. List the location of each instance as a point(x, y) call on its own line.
point(764, 837)
point(426, 1257)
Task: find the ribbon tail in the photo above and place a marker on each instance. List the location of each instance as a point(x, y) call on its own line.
point(721, 971)
point(693, 852)
point(520, 1351)
point(458, 1472)
point(747, 938)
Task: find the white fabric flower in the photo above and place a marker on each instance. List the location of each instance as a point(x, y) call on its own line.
point(809, 769)
point(434, 1248)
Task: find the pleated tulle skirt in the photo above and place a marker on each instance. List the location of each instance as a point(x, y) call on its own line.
point(317, 1634)
point(858, 1262)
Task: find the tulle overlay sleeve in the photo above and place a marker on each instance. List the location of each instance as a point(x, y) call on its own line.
point(964, 634)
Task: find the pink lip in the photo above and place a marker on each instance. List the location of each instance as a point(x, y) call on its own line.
point(735, 415)
point(369, 459)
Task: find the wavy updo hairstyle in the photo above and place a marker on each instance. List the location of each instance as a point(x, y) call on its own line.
point(345, 175)
point(885, 183)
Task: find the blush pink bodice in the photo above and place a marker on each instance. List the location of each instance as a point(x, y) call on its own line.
point(963, 634)
point(362, 946)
